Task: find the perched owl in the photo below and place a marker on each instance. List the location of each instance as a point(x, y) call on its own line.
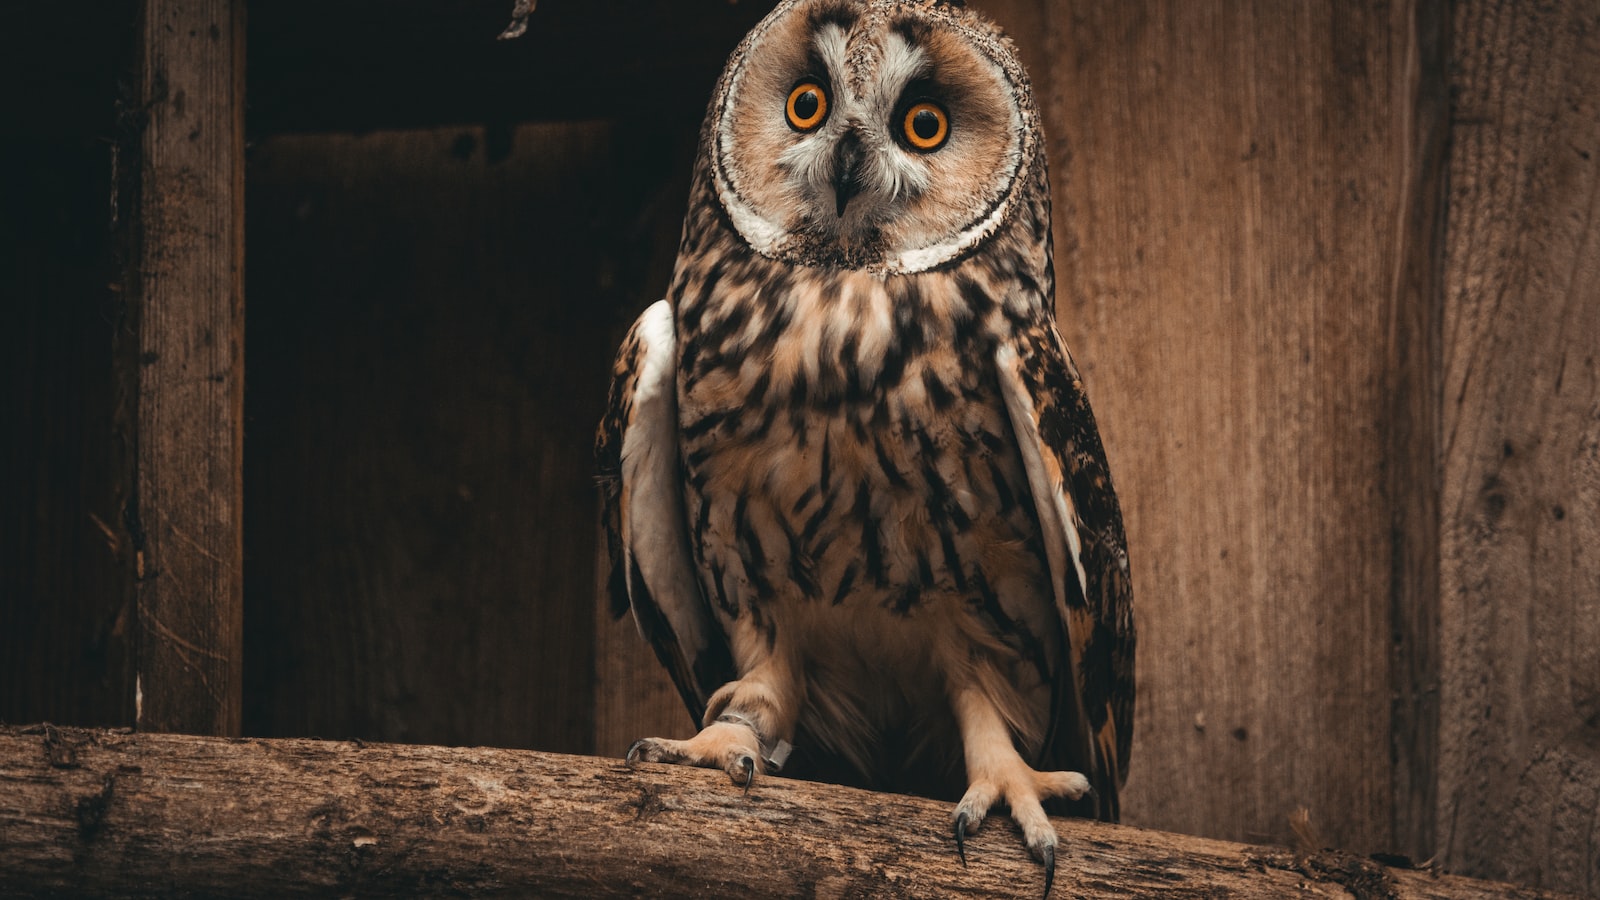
point(853, 489)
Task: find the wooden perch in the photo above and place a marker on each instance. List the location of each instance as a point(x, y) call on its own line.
point(119, 814)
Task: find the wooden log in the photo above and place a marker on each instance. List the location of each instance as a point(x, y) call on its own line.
point(119, 814)
point(185, 523)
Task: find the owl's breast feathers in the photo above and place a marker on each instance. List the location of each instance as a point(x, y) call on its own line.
point(831, 415)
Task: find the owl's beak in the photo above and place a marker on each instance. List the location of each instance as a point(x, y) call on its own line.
point(847, 159)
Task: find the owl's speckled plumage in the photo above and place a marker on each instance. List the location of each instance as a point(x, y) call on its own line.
point(853, 487)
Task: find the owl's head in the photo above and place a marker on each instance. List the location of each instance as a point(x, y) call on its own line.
point(888, 135)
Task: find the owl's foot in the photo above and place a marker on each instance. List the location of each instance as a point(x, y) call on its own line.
point(1022, 789)
point(740, 716)
point(997, 774)
point(731, 746)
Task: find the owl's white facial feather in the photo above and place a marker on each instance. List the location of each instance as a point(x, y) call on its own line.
point(896, 209)
point(890, 174)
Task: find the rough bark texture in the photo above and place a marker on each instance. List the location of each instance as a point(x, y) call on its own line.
point(117, 814)
point(185, 524)
point(1519, 765)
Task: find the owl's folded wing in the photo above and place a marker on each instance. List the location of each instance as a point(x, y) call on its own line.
point(641, 480)
point(1082, 528)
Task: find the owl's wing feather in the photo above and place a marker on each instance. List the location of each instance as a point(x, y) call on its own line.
point(641, 478)
point(1083, 536)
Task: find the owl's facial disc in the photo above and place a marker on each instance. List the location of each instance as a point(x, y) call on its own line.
point(879, 135)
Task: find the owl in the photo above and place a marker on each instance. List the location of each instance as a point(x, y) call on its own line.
point(853, 490)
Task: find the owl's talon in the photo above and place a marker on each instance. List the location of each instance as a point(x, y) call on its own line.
point(961, 837)
point(747, 765)
point(632, 756)
point(1004, 778)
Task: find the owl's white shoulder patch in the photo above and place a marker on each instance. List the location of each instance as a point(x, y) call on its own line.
point(1058, 518)
point(654, 528)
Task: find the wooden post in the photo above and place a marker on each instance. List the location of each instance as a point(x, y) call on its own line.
point(186, 520)
point(114, 815)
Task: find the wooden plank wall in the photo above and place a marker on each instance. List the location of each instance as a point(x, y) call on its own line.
point(1231, 213)
point(1519, 766)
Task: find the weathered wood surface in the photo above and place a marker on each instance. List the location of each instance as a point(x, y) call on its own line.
point(115, 814)
point(185, 523)
point(1519, 772)
point(1238, 194)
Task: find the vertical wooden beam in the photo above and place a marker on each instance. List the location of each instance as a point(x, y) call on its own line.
point(190, 258)
point(1519, 760)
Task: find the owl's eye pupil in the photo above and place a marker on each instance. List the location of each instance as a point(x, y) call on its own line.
point(925, 124)
point(805, 105)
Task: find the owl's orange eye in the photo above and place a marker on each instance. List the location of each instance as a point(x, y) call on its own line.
point(808, 106)
point(926, 126)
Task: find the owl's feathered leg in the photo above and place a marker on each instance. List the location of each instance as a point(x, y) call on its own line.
point(748, 726)
point(996, 772)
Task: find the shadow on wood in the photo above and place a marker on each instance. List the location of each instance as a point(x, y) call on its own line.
point(120, 814)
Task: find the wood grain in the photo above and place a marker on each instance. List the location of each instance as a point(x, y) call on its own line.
point(119, 815)
point(1519, 767)
point(186, 523)
point(1421, 107)
point(1236, 204)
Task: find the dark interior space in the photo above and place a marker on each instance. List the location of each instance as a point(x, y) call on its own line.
point(65, 614)
point(429, 334)
point(447, 235)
